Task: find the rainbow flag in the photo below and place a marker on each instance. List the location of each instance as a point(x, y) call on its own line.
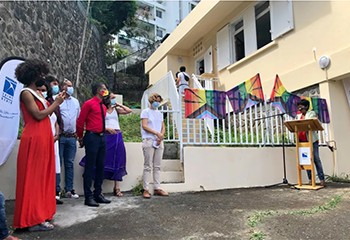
point(287, 102)
point(246, 94)
point(200, 103)
point(319, 106)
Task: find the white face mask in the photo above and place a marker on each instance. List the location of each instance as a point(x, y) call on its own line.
point(70, 91)
point(113, 101)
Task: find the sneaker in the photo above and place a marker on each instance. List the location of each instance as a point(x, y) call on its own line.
point(71, 194)
point(58, 196)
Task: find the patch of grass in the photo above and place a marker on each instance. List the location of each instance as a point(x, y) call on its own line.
point(257, 235)
point(259, 216)
point(323, 208)
point(137, 190)
point(344, 178)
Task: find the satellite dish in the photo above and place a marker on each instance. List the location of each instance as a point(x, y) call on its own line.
point(324, 62)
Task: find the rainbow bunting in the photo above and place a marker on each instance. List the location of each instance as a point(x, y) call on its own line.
point(246, 94)
point(200, 103)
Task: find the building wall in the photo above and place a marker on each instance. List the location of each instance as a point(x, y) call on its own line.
point(52, 32)
point(293, 56)
point(206, 168)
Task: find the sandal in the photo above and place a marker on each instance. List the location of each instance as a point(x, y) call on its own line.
point(117, 192)
point(45, 226)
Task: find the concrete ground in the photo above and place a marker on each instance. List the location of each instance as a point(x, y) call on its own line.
point(277, 213)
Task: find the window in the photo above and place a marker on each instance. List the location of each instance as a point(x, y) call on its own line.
point(263, 24)
point(238, 41)
point(257, 26)
point(159, 13)
point(159, 32)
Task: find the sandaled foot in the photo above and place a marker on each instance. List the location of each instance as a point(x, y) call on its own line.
point(117, 192)
point(160, 192)
point(45, 226)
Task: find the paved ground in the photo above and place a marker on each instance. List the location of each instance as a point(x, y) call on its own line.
point(273, 213)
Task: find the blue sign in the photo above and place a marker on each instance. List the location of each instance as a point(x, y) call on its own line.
point(8, 90)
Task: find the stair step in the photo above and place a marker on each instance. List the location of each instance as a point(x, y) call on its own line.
point(171, 165)
point(172, 177)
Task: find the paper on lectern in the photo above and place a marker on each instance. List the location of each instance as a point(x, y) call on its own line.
point(304, 156)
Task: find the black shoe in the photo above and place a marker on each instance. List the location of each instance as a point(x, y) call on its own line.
point(58, 202)
point(91, 202)
point(101, 199)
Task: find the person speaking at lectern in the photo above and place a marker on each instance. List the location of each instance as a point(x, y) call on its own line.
point(303, 107)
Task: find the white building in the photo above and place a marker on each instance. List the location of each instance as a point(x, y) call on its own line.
point(156, 19)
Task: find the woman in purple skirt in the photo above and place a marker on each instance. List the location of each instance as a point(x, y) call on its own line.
point(115, 161)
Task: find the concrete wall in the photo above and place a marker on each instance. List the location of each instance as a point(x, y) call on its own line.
point(205, 168)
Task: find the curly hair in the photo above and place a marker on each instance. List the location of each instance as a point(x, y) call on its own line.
point(30, 71)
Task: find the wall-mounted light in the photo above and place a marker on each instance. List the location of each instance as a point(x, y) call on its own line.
point(324, 62)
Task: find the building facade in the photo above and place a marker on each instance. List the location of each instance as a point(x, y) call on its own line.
point(234, 40)
point(155, 19)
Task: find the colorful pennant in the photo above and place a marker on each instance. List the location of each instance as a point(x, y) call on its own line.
point(288, 102)
point(246, 94)
point(200, 103)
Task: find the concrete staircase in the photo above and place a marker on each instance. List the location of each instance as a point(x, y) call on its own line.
point(172, 171)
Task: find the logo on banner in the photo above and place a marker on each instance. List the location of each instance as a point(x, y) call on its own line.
point(8, 90)
point(305, 155)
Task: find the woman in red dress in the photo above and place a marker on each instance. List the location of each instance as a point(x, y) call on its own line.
point(35, 190)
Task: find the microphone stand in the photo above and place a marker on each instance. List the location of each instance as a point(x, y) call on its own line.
point(284, 180)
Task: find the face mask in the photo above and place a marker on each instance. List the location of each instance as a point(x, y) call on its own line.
point(113, 101)
point(104, 93)
point(44, 94)
point(155, 105)
point(55, 89)
point(70, 91)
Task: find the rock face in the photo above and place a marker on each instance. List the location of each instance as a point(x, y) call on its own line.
point(52, 31)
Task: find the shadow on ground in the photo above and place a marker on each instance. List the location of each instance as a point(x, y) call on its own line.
point(278, 213)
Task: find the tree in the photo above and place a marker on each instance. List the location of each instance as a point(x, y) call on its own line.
point(113, 15)
point(114, 53)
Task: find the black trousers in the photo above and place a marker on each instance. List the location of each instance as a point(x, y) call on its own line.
point(95, 151)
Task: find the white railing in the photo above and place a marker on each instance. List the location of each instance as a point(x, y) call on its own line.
point(259, 125)
point(166, 87)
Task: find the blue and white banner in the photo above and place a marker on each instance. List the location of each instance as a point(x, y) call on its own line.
point(10, 90)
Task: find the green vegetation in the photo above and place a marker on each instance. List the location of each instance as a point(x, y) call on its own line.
point(114, 53)
point(137, 190)
point(113, 15)
point(325, 207)
point(130, 126)
point(344, 178)
point(259, 216)
point(257, 235)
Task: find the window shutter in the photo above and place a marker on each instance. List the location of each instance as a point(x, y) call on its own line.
point(282, 19)
point(208, 60)
point(223, 47)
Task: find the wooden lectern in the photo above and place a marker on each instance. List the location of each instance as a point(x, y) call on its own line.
point(304, 150)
